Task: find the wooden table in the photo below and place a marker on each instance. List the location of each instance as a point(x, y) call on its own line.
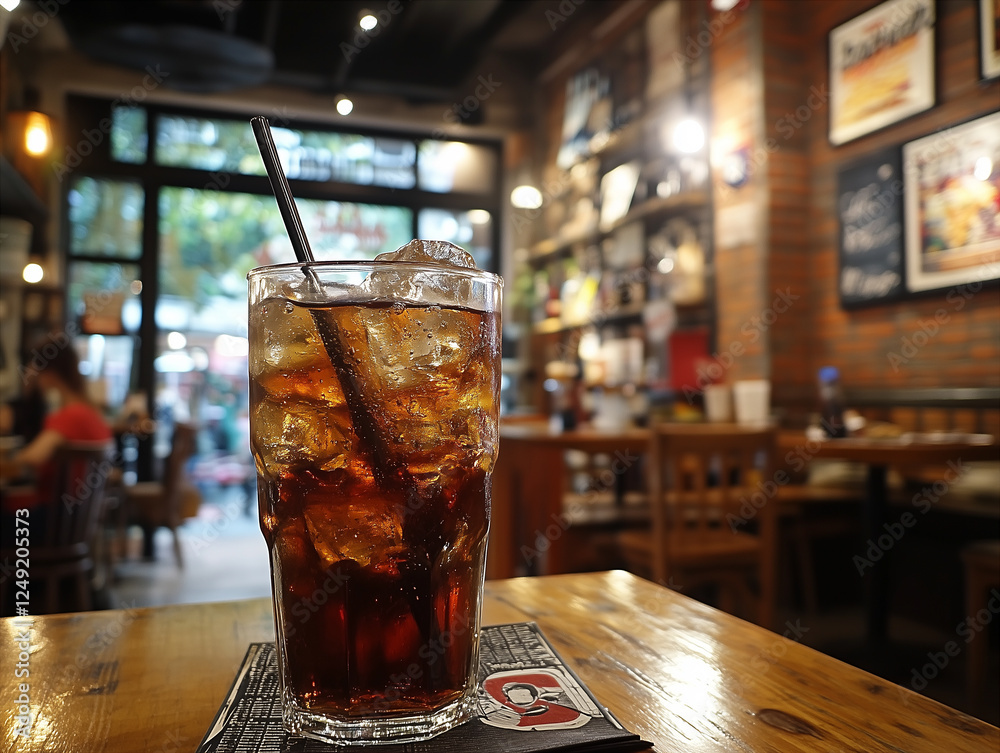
point(684, 676)
point(879, 455)
point(528, 486)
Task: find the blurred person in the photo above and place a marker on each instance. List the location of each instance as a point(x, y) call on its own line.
point(71, 418)
point(23, 416)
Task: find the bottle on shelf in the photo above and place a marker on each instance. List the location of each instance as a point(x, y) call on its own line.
point(831, 402)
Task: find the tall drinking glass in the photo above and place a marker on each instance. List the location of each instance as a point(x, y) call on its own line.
point(374, 391)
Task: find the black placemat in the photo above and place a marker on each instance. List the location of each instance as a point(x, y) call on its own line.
point(558, 713)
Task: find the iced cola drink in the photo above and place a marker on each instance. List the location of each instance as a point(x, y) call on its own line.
point(374, 394)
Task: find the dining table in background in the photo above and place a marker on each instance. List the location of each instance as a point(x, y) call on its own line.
point(879, 455)
point(529, 483)
point(683, 676)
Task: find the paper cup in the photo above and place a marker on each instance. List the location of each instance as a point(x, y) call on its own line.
point(753, 401)
point(718, 403)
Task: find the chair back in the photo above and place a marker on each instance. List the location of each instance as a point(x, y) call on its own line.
point(703, 479)
point(182, 447)
point(73, 511)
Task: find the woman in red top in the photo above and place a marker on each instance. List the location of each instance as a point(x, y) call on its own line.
point(75, 420)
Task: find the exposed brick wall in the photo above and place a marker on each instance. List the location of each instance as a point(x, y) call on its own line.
point(790, 104)
point(794, 187)
point(965, 352)
point(741, 274)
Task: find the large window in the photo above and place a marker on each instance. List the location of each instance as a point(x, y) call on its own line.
point(166, 216)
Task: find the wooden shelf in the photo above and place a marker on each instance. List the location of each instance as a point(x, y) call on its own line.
point(17, 198)
point(555, 324)
point(551, 248)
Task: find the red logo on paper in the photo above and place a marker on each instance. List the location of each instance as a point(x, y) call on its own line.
point(535, 699)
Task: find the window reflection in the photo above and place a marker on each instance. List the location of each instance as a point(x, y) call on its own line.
point(445, 166)
point(103, 298)
point(129, 135)
point(229, 146)
point(472, 230)
point(105, 217)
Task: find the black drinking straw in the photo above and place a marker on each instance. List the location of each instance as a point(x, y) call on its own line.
point(282, 191)
point(383, 461)
point(385, 465)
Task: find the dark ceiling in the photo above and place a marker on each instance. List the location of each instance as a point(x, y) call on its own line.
point(422, 51)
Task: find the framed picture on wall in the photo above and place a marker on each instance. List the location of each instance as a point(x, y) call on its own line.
point(989, 38)
point(870, 216)
point(952, 205)
point(881, 68)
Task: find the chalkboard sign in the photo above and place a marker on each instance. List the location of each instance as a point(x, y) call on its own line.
point(870, 210)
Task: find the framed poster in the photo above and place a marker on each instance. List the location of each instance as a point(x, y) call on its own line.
point(587, 113)
point(870, 214)
point(881, 68)
point(989, 38)
point(952, 190)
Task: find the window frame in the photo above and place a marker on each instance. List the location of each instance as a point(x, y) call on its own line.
point(86, 118)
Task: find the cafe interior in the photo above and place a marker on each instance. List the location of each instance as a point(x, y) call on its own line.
point(750, 253)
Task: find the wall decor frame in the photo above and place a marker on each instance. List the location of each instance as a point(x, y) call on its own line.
point(881, 68)
point(952, 205)
point(870, 237)
point(989, 39)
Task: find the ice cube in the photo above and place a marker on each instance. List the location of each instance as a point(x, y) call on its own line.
point(387, 283)
point(283, 337)
point(288, 435)
point(430, 252)
point(364, 531)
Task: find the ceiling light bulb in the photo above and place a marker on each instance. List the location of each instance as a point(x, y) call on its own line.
point(983, 169)
point(176, 340)
point(33, 273)
point(9, 4)
point(368, 22)
point(526, 197)
point(689, 136)
point(37, 134)
point(345, 106)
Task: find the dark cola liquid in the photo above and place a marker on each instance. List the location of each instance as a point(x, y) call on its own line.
point(377, 557)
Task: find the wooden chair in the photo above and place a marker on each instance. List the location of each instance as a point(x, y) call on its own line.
point(64, 527)
point(701, 479)
point(153, 504)
point(982, 573)
point(806, 514)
